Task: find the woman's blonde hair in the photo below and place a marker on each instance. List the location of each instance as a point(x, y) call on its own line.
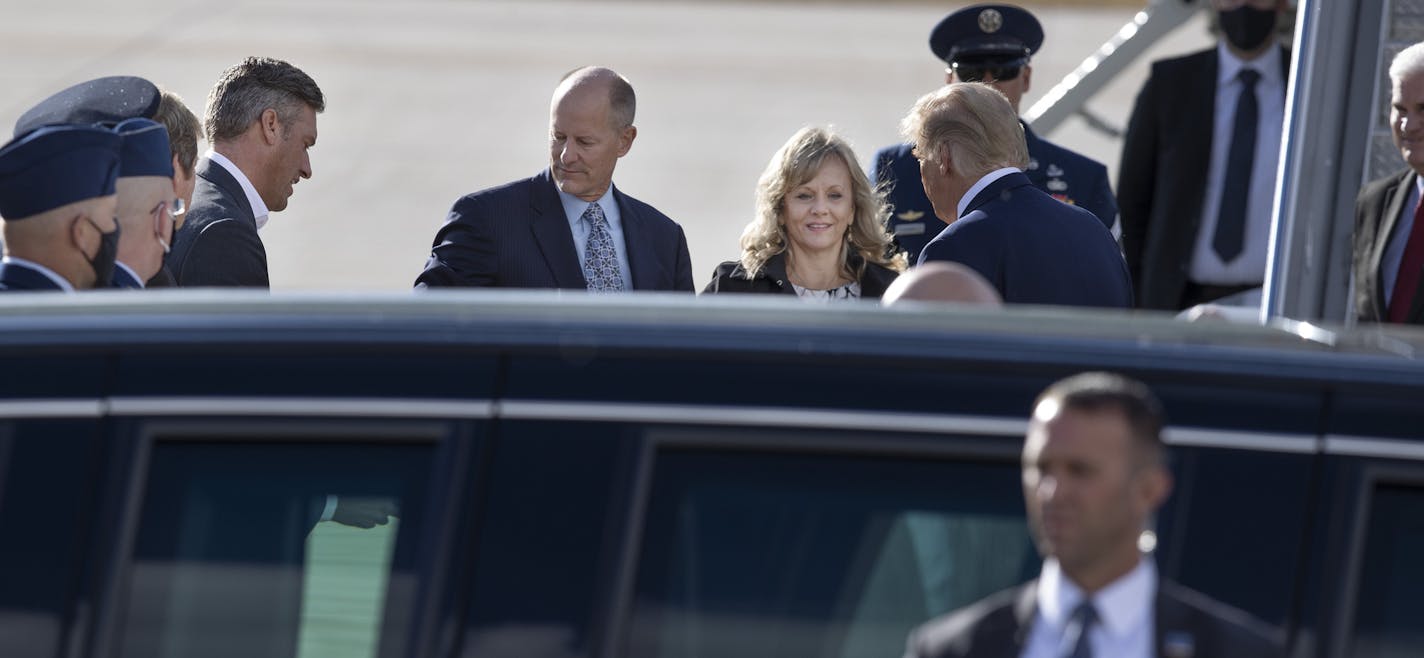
point(795, 164)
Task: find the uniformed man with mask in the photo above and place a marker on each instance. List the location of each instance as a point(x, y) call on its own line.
point(148, 203)
point(58, 205)
point(992, 44)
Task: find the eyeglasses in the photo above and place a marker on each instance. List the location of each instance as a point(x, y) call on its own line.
point(995, 71)
point(175, 209)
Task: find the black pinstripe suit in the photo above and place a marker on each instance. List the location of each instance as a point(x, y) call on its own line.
point(516, 236)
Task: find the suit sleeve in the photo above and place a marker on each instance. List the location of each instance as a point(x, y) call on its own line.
point(1137, 174)
point(463, 253)
point(682, 278)
point(225, 254)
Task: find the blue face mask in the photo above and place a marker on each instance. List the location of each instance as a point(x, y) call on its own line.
point(103, 260)
point(1247, 27)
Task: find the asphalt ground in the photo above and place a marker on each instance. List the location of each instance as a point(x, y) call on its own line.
point(427, 101)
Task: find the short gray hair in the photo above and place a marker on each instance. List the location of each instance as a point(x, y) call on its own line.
point(622, 102)
point(975, 121)
point(245, 91)
point(1408, 62)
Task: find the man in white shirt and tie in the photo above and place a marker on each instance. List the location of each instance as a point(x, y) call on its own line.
point(1198, 170)
point(1094, 473)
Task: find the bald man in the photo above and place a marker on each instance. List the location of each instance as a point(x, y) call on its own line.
point(569, 226)
point(941, 281)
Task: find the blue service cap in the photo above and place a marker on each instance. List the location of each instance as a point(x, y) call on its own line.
point(55, 166)
point(987, 32)
point(100, 101)
point(145, 149)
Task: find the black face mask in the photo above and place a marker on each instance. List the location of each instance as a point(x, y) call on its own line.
point(1247, 27)
point(103, 260)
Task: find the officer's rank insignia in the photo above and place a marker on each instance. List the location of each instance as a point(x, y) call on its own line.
point(1056, 185)
point(1055, 170)
point(990, 20)
point(910, 216)
point(1064, 198)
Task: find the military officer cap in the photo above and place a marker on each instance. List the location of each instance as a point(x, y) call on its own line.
point(99, 101)
point(55, 166)
point(145, 149)
point(1002, 32)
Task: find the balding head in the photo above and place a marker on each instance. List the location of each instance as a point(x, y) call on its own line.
point(590, 127)
point(941, 282)
point(622, 102)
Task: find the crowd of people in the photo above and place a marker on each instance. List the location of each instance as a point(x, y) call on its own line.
point(972, 187)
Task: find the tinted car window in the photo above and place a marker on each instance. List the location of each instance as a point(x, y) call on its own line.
point(1389, 607)
point(231, 558)
point(758, 554)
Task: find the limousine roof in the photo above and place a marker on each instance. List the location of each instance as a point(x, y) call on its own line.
point(746, 324)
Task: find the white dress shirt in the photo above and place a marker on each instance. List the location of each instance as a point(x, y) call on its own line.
point(1394, 253)
point(259, 209)
point(573, 210)
point(50, 274)
point(1250, 266)
point(1125, 626)
point(979, 186)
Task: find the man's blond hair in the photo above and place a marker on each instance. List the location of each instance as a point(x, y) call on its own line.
point(974, 122)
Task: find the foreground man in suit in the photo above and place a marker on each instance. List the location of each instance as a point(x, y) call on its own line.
point(1198, 169)
point(1389, 234)
point(1031, 247)
point(569, 226)
point(991, 44)
point(1093, 474)
point(261, 120)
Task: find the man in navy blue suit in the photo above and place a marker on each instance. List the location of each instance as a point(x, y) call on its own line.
point(991, 44)
point(1033, 248)
point(568, 226)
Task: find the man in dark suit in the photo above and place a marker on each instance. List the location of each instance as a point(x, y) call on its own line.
point(261, 120)
point(1032, 248)
point(1197, 175)
point(1389, 234)
point(58, 202)
point(1093, 474)
point(991, 44)
point(568, 226)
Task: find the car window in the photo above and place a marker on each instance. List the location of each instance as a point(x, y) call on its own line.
point(1388, 606)
point(232, 557)
point(765, 554)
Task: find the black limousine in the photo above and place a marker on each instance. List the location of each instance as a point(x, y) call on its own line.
point(491, 475)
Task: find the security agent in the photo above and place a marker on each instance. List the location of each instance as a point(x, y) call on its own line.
point(992, 44)
point(1094, 473)
point(58, 203)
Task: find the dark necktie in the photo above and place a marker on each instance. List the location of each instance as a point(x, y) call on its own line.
point(600, 260)
point(1236, 188)
point(1406, 281)
point(1075, 632)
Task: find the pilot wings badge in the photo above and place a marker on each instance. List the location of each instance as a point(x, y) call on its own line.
point(911, 215)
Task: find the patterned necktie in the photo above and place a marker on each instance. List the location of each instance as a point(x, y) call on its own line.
point(600, 260)
point(1236, 187)
point(1406, 280)
point(1075, 633)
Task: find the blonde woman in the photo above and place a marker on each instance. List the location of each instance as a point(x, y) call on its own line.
point(819, 231)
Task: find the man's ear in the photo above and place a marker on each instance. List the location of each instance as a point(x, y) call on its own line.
point(271, 126)
point(948, 75)
point(78, 227)
point(942, 160)
point(1027, 74)
point(625, 140)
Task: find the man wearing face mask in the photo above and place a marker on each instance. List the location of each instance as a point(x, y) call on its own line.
point(57, 201)
point(146, 201)
point(1197, 176)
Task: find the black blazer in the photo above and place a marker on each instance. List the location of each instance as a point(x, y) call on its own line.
point(516, 236)
point(1377, 212)
point(1035, 249)
point(998, 627)
point(218, 244)
point(731, 277)
point(1162, 176)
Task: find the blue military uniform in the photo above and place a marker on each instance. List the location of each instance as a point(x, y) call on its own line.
point(993, 34)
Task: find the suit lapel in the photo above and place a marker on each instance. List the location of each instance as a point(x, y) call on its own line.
point(1199, 120)
point(1173, 627)
point(551, 232)
point(218, 175)
point(1025, 607)
point(642, 262)
point(1393, 207)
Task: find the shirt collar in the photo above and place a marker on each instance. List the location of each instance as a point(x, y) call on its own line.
point(979, 186)
point(1229, 65)
point(259, 209)
point(574, 206)
point(1121, 606)
point(58, 280)
point(132, 274)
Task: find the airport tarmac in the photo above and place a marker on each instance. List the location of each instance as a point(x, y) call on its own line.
point(430, 100)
